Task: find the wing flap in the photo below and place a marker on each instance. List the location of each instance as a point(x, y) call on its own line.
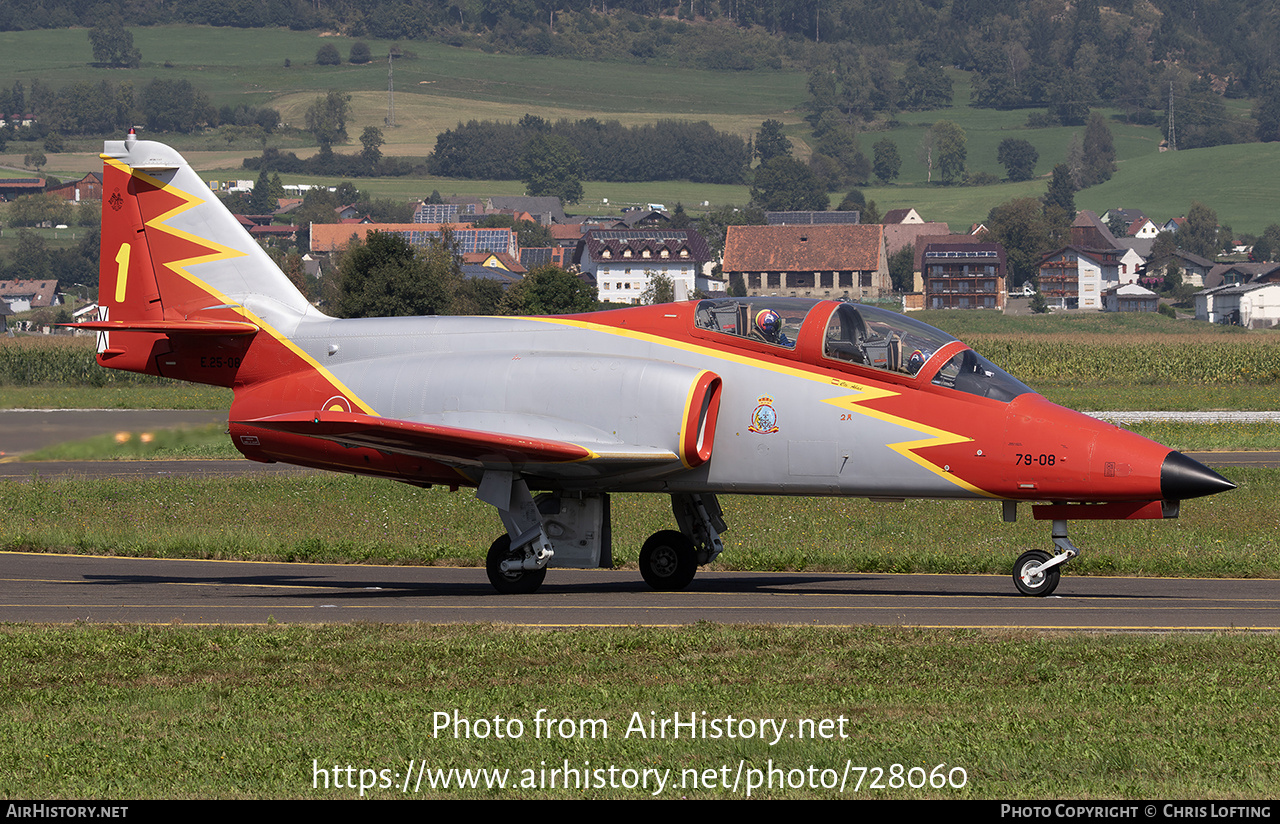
point(448, 444)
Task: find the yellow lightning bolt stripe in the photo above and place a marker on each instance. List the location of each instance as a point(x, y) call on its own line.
point(936, 437)
point(179, 267)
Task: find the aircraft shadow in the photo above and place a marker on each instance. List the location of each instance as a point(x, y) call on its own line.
point(316, 587)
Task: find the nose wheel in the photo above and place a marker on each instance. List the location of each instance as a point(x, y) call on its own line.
point(505, 570)
point(1036, 572)
point(1029, 576)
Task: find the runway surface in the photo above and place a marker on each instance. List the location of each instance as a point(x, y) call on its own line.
point(65, 588)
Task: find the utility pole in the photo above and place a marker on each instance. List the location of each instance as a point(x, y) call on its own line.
point(1173, 137)
point(391, 92)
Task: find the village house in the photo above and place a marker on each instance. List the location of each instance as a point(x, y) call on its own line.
point(1251, 305)
point(624, 261)
point(1193, 267)
point(964, 276)
point(13, 187)
point(924, 241)
point(88, 187)
point(1075, 278)
point(1129, 297)
point(21, 295)
point(841, 261)
point(331, 237)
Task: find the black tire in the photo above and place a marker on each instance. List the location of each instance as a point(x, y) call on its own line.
point(1042, 584)
point(668, 561)
point(519, 582)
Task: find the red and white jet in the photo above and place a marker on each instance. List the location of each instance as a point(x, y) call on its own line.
point(769, 396)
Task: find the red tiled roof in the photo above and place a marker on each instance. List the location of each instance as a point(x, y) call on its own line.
point(40, 292)
point(803, 248)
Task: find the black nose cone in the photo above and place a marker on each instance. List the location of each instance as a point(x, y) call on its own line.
point(1182, 478)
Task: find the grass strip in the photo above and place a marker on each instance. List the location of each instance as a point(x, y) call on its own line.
point(270, 712)
point(117, 396)
point(344, 519)
point(194, 442)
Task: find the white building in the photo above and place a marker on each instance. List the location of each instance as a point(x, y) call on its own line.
point(1075, 278)
point(1251, 305)
point(623, 261)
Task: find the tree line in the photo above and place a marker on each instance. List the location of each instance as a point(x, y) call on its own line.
point(161, 105)
point(666, 150)
point(1025, 53)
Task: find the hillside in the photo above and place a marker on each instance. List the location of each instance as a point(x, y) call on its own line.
point(439, 85)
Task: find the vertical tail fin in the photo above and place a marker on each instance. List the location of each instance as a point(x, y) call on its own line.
point(182, 285)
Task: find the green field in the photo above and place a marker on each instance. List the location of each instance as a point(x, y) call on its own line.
point(440, 85)
point(94, 712)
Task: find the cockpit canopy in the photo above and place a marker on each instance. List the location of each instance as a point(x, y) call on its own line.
point(859, 336)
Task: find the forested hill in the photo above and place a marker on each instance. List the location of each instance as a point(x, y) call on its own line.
point(1024, 53)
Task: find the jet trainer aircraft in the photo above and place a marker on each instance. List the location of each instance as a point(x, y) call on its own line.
point(771, 396)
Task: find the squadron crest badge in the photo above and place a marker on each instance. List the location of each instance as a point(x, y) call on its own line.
point(764, 418)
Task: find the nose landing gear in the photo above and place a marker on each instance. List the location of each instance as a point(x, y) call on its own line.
point(1036, 572)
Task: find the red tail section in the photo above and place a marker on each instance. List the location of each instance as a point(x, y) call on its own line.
point(182, 331)
point(185, 292)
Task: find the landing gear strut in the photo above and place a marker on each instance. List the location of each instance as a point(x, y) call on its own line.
point(517, 562)
point(507, 572)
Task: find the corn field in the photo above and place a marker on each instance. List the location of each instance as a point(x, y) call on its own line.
point(56, 360)
point(1146, 359)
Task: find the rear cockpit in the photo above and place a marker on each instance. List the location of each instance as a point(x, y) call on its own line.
point(855, 338)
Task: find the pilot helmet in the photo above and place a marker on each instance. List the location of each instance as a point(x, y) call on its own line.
point(768, 322)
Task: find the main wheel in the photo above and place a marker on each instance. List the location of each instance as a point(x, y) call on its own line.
point(1041, 583)
point(515, 582)
point(668, 561)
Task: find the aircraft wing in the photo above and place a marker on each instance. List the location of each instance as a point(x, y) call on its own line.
point(457, 446)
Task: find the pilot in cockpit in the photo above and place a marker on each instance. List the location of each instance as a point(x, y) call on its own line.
point(769, 326)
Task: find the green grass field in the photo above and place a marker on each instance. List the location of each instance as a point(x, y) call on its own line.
point(94, 712)
point(441, 85)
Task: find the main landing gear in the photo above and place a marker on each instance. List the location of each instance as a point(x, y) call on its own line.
point(669, 559)
point(573, 529)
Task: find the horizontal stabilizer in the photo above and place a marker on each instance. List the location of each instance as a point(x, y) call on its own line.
point(184, 327)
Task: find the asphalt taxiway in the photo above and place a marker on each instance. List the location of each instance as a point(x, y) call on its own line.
point(68, 588)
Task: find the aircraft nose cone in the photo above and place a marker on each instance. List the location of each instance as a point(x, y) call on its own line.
point(1182, 478)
